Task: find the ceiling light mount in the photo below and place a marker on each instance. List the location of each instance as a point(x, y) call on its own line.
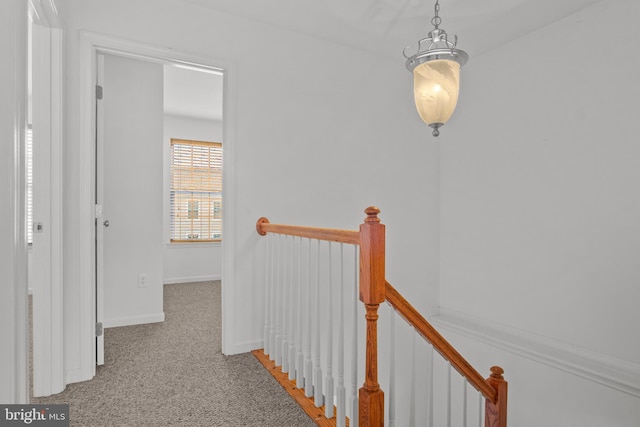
point(436, 69)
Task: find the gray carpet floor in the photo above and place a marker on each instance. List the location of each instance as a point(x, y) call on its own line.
point(174, 374)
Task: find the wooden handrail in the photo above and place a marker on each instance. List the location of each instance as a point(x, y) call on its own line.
point(328, 234)
point(441, 345)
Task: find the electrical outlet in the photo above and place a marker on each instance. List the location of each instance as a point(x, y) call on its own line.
point(142, 280)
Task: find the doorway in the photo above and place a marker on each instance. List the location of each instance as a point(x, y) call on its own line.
point(83, 331)
point(141, 103)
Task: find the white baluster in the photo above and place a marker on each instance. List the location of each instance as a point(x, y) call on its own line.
point(392, 370)
point(464, 402)
point(272, 298)
point(291, 309)
point(300, 359)
point(448, 394)
point(285, 309)
point(412, 397)
point(353, 397)
point(480, 405)
point(274, 295)
point(317, 371)
point(308, 365)
point(278, 305)
point(430, 382)
point(341, 392)
point(328, 407)
point(267, 296)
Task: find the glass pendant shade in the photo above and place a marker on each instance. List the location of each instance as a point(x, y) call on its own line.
point(435, 85)
point(436, 74)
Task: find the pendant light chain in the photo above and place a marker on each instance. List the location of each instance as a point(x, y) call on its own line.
point(436, 20)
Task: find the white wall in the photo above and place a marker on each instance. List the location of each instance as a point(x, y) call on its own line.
point(540, 209)
point(188, 262)
point(13, 247)
point(311, 139)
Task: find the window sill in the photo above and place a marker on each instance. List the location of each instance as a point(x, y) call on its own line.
point(193, 245)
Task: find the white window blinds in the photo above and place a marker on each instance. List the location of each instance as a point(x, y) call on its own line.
point(196, 191)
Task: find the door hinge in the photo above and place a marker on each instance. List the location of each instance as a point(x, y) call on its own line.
point(98, 92)
point(99, 329)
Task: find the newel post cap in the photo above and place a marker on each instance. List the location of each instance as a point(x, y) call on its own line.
point(372, 214)
point(496, 373)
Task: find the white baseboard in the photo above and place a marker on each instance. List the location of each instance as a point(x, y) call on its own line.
point(603, 369)
point(133, 320)
point(76, 376)
point(171, 280)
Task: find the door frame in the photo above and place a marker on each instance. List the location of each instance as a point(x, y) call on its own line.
point(48, 76)
point(90, 45)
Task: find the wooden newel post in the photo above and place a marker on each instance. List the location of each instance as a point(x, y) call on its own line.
point(496, 413)
point(372, 294)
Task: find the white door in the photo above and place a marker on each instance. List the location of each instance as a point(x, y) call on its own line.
point(100, 221)
point(129, 174)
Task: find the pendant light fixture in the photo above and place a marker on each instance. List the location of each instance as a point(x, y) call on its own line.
point(436, 74)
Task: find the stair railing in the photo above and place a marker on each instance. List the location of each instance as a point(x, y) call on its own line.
point(493, 389)
point(282, 335)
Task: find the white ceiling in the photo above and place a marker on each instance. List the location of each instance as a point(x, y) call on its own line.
point(387, 26)
point(192, 93)
point(384, 27)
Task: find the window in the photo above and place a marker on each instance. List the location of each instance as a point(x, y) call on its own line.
point(196, 191)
